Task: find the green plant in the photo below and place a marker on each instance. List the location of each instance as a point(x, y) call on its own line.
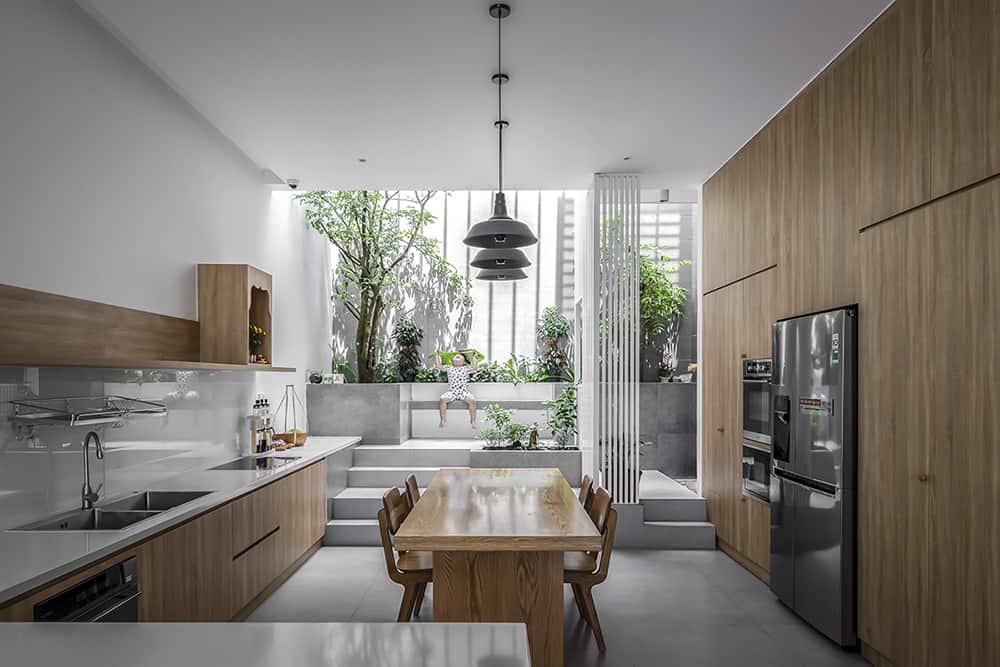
point(256, 337)
point(665, 370)
point(661, 300)
point(427, 375)
point(488, 371)
point(500, 417)
point(561, 415)
point(387, 370)
point(383, 256)
point(553, 329)
point(493, 437)
point(407, 337)
point(516, 434)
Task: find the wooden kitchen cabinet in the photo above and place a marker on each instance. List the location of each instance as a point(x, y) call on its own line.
point(185, 573)
point(217, 566)
point(965, 76)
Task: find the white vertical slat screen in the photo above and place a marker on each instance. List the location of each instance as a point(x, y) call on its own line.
point(615, 330)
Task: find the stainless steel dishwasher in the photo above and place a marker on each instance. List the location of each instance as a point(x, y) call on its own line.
point(110, 596)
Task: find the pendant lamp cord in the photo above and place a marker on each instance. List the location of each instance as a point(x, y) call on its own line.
point(500, 102)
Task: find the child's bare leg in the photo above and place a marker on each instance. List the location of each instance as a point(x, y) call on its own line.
point(472, 411)
point(443, 410)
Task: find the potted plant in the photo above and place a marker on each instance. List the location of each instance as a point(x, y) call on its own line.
point(256, 340)
point(661, 306)
point(407, 337)
point(552, 331)
point(562, 417)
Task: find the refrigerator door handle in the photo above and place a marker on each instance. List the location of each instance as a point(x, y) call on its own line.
point(823, 488)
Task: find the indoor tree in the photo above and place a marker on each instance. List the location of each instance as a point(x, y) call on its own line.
point(384, 258)
point(661, 300)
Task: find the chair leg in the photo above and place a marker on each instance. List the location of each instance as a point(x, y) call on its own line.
point(579, 602)
point(595, 624)
point(421, 589)
point(406, 606)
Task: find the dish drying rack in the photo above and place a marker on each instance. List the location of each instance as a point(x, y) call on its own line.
point(81, 410)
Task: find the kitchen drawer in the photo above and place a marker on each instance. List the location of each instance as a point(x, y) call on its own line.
point(255, 569)
point(254, 516)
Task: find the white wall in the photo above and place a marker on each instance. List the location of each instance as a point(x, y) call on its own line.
point(112, 187)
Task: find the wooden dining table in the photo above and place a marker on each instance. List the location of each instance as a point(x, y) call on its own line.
point(498, 537)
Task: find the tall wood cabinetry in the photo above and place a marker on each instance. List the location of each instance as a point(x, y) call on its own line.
point(882, 189)
point(737, 325)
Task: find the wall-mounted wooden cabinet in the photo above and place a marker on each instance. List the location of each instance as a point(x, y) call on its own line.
point(231, 299)
point(216, 566)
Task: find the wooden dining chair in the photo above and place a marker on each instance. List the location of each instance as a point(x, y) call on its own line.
point(581, 569)
point(412, 490)
point(412, 570)
point(586, 491)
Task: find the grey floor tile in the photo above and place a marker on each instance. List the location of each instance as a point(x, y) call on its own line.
point(683, 608)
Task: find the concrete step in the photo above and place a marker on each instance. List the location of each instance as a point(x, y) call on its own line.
point(678, 535)
point(419, 457)
point(352, 532)
point(358, 503)
point(386, 476)
point(674, 509)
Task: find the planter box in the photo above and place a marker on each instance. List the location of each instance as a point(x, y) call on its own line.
point(379, 413)
point(493, 392)
point(569, 462)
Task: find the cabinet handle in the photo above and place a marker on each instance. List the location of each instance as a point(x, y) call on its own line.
point(922, 477)
point(743, 356)
point(720, 429)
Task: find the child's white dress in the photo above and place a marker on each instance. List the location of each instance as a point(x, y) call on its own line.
point(458, 384)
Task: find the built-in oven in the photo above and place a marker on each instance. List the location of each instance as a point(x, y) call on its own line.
point(757, 472)
point(111, 595)
point(757, 400)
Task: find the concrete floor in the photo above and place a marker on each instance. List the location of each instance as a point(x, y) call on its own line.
point(683, 608)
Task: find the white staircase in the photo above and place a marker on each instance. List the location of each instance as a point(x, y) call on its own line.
point(669, 515)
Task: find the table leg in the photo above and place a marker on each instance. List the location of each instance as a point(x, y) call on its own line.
point(505, 586)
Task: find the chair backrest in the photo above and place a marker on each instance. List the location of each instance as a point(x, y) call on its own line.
point(412, 490)
point(396, 509)
point(607, 544)
point(586, 491)
point(387, 549)
point(599, 508)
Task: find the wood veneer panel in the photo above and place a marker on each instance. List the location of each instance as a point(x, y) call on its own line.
point(929, 463)
point(894, 139)
point(511, 587)
point(498, 509)
point(254, 516)
point(966, 92)
point(185, 573)
point(50, 329)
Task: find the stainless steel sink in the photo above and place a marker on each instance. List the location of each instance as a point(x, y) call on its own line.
point(118, 514)
point(95, 519)
point(153, 501)
point(257, 463)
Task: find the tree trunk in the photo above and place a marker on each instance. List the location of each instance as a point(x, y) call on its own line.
point(366, 362)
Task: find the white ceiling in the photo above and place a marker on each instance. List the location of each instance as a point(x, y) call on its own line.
point(306, 87)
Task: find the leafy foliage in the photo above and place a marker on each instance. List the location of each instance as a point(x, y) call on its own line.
point(553, 330)
point(427, 375)
point(384, 257)
point(562, 416)
point(387, 370)
point(553, 325)
point(407, 336)
point(517, 434)
point(661, 300)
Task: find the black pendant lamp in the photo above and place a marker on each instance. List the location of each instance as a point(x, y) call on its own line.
point(494, 258)
point(500, 231)
point(502, 274)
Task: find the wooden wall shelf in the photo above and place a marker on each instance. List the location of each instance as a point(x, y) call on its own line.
point(165, 364)
point(231, 298)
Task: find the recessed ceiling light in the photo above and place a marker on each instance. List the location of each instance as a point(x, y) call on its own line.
point(362, 160)
point(627, 157)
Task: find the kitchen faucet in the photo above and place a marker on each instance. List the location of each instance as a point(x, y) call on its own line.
point(88, 495)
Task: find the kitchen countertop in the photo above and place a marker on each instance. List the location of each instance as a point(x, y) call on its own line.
point(33, 559)
point(266, 644)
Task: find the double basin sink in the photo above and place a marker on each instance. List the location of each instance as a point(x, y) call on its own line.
point(137, 507)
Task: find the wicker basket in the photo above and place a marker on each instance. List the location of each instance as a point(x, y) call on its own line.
point(295, 439)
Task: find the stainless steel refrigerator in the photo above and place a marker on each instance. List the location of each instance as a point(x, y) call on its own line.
point(813, 476)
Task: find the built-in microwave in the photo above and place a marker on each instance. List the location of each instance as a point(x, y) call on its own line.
point(757, 472)
point(757, 400)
